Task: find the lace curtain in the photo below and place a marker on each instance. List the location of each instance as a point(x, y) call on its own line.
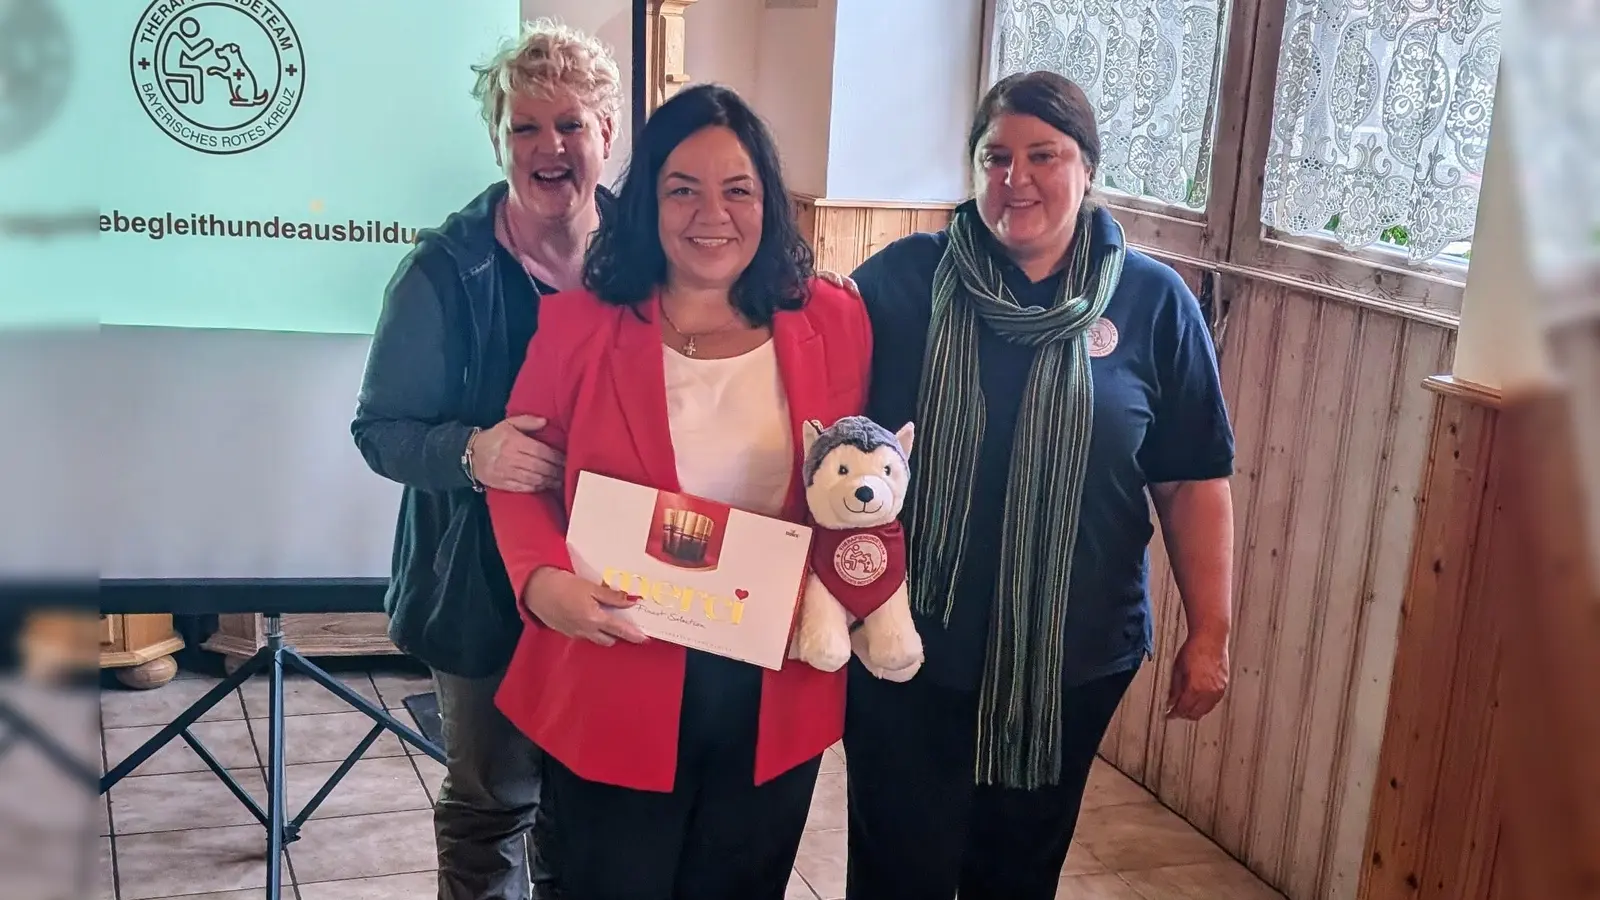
point(1150, 67)
point(1381, 120)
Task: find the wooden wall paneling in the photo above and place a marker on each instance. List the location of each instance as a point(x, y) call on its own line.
point(1466, 817)
point(1433, 753)
point(1361, 453)
point(932, 218)
point(1141, 741)
point(1141, 721)
point(1255, 337)
point(1180, 761)
point(1156, 752)
point(1548, 608)
point(1500, 880)
point(1331, 391)
point(1319, 448)
point(805, 213)
point(844, 233)
point(841, 238)
point(1263, 542)
point(1192, 753)
point(1425, 349)
point(1575, 354)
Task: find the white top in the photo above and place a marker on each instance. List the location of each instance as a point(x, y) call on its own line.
point(730, 428)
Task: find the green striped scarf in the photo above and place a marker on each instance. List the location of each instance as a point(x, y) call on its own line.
point(1019, 714)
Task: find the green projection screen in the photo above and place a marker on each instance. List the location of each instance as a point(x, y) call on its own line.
point(236, 164)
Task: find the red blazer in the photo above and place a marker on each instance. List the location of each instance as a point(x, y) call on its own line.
point(595, 372)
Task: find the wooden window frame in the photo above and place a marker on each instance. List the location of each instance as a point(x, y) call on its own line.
point(1370, 275)
point(1228, 235)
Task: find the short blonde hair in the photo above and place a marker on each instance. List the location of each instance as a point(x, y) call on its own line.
point(548, 55)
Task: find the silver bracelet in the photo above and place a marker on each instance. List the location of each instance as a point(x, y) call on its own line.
point(466, 460)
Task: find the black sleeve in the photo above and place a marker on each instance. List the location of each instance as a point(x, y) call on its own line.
point(896, 288)
point(1191, 438)
point(406, 423)
point(869, 281)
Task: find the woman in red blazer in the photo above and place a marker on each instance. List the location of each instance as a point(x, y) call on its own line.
point(702, 344)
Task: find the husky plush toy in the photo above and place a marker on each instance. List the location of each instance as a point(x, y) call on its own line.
point(855, 479)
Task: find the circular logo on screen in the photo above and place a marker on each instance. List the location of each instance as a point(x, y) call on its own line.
point(1102, 338)
point(218, 77)
point(35, 67)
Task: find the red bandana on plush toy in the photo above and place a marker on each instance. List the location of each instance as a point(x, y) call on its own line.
point(860, 567)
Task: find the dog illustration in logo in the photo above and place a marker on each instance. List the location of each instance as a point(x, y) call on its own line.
point(241, 78)
point(856, 597)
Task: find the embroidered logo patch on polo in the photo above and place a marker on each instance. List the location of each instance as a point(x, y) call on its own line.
point(861, 559)
point(1102, 338)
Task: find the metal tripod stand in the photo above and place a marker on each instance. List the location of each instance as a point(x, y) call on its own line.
point(274, 658)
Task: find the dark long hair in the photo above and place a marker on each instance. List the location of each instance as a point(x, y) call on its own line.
point(625, 262)
point(1047, 96)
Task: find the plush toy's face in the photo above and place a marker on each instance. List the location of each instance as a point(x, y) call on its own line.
point(855, 488)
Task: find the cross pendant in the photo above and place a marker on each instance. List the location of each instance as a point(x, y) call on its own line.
point(688, 347)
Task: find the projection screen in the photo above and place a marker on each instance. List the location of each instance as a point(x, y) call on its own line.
point(200, 205)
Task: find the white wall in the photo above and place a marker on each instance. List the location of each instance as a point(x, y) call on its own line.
point(722, 42)
point(1500, 341)
point(794, 88)
point(905, 81)
point(779, 59)
point(612, 22)
point(868, 99)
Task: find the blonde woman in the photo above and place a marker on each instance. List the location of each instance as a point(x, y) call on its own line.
point(457, 318)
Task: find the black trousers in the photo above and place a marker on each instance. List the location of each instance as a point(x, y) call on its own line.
point(716, 836)
point(486, 815)
point(921, 829)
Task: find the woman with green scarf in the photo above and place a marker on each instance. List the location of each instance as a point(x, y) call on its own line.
point(1057, 378)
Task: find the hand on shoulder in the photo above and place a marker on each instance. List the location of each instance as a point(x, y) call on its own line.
point(835, 296)
point(843, 282)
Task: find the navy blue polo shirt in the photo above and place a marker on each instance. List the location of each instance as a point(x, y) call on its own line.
point(1159, 416)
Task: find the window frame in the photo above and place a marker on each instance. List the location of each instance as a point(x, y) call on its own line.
point(1229, 234)
point(1371, 272)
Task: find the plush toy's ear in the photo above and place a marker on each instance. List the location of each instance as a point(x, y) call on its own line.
point(904, 435)
point(809, 432)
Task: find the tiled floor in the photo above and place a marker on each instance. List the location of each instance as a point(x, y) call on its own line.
point(173, 830)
